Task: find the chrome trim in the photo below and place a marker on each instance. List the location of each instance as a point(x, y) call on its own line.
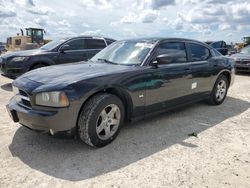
point(105, 42)
point(66, 42)
point(24, 106)
point(23, 97)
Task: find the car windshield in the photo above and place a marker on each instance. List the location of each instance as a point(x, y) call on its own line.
point(125, 52)
point(245, 50)
point(51, 45)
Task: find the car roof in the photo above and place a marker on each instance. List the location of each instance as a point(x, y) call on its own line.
point(155, 39)
point(92, 37)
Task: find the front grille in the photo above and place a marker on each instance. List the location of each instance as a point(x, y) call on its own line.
point(23, 93)
point(243, 62)
point(23, 99)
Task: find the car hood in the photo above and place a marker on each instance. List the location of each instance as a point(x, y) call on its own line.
point(241, 56)
point(22, 53)
point(70, 73)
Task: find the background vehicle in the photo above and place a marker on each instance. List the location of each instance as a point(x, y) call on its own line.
point(32, 40)
point(242, 60)
point(2, 49)
point(127, 80)
point(56, 52)
point(246, 41)
point(220, 46)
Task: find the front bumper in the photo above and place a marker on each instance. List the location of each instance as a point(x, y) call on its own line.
point(243, 67)
point(58, 120)
point(11, 71)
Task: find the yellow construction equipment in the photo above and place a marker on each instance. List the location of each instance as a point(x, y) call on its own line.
point(32, 40)
point(246, 41)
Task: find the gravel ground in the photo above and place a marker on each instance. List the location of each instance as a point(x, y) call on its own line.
point(154, 153)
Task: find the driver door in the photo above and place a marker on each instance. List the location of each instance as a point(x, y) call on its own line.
point(77, 51)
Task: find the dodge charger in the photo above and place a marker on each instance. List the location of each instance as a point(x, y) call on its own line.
point(128, 80)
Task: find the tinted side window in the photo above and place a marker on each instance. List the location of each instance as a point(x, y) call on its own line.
point(224, 45)
point(217, 53)
point(77, 44)
point(176, 50)
point(96, 44)
point(216, 45)
point(199, 52)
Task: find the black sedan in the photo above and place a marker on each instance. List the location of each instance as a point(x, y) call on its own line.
point(128, 80)
point(57, 52)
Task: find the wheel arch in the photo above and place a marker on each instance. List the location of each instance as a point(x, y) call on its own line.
point(226, 73)
point(41, 62)
point(121, 93)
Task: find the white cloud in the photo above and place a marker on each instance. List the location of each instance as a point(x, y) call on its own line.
point(148, 16)
point(157, 4)
point(101, 4)
point(6, 11)
point(225, 26)
point(64, 23)
point(40, 10)
point(97, 32)
point(129, 18)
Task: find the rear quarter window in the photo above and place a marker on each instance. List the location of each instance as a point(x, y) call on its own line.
point(95, 44)
point(109, 41)
point(199, 52)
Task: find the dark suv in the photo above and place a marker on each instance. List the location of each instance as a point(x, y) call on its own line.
point(2, 49)
point(56, 52)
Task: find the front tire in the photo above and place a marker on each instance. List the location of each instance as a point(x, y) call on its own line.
point(219, 91)
point(100, 120)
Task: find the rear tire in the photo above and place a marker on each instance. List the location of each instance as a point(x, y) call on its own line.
point(100, 120)
point(219, 91)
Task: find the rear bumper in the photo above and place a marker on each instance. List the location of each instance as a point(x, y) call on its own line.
point(58, 120)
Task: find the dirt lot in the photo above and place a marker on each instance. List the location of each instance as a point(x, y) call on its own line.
point(152, 153)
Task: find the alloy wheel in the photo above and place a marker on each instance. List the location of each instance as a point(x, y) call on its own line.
point(221, 90)
point(108, 122)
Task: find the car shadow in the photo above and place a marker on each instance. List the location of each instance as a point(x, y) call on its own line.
point(6, 87)
point(70, 159)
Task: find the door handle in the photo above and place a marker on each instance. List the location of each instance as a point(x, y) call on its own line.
point(216, 65)
point(187, 69)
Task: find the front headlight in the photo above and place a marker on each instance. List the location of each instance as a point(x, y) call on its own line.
point(52, 99)
point(18, 59)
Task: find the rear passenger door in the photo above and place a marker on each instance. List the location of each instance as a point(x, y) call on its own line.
point(201, 68)
point(75, 52)
point(94, 46)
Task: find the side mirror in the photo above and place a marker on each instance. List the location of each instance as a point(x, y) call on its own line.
point(164, 59)
point(64, 48)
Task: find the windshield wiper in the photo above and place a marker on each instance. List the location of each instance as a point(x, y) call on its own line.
point(107, 61)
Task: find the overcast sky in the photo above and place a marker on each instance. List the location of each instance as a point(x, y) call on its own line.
point(227, 20)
